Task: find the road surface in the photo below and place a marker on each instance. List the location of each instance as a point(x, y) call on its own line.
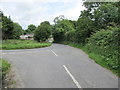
point(59, 66)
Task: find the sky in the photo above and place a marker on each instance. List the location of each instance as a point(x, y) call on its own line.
point(27, 12)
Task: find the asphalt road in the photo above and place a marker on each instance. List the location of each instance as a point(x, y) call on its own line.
point(59, 66)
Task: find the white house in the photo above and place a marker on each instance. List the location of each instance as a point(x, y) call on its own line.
point(27, 36)
point(23, 37)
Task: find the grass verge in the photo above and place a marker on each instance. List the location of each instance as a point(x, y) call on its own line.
point(5, 67)
point(97, 58)
point(22, 44)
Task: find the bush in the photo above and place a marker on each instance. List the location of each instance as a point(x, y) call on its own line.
point(105, 44)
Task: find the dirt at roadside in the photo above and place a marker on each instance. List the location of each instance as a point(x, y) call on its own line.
point(12, 79)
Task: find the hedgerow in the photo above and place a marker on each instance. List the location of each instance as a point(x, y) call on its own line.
point(106, 44)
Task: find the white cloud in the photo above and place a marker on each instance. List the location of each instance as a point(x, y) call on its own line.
point(37, 11)
point(74, 12)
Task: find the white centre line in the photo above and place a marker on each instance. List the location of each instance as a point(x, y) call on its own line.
point(54, 53)
point(74, 80)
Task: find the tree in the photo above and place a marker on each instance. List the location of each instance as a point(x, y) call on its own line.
point(17, 31)
point(7, 27)
point(59, 18)
point(61, 27)
point(74, 23)
point(1, 20)
point(31, 28)
point(0, 26)
point(84, 29)
point(101, 13)
point(43, 31)
point(105, 14)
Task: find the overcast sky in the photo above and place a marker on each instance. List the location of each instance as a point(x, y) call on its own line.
point(27, 12)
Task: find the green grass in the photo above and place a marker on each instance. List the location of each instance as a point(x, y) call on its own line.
point(22, 44)
point(97, 58)
point(72, 44)
point(4, 66)
point(101, 61)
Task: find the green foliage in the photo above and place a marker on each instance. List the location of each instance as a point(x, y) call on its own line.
point(10, 30)
point(92, 5)
point(97, 16)
point(22, 44)
point(7, 28)
point(31, 28)
point(5, 66)
point(17, 31)
point(0, 20)
point(58, 19)
point(83, 29)
point(70, 36)
point(74, 23)
point(73, 44)
point(105, 44)
point(43, 32)
point(62, 28)
point(106, 13)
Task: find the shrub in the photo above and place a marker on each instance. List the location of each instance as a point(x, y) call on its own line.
point(105, 43)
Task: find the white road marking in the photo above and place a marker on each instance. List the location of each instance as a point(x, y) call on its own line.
point(74, 80)
point(54, 53)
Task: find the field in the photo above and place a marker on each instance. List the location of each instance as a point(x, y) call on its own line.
point(22, 44)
